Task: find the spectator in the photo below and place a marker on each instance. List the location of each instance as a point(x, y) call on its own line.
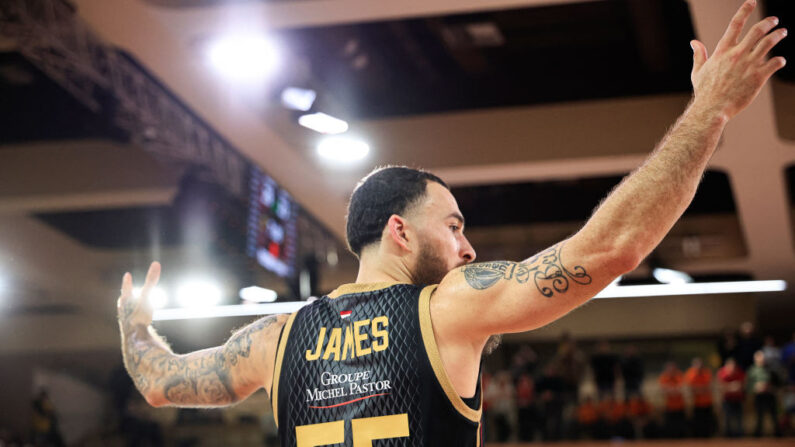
point(525, 402)
point(550, 389)
point(587, 417)
point(619, 419)
point(747, 345)
point(732, 381)
point(605, 365)
point(639, 411)
point(760, 383)
point(727, 346)
point(789, 410)
point(486, 383)
point(604, 425)
point(699, 379)
point(772, 353)
point(671, 382)
point(524, 362)
point(788, 359)
point(632, 371)
point(45, 422)
point(502, 403)
point(571, 364)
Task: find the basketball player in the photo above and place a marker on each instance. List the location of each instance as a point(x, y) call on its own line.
point(396, 356)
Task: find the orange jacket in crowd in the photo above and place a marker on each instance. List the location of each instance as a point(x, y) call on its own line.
point(671, 383)
point(638, 407)
point(611, 410)
point(699, 380)
point(587, 413)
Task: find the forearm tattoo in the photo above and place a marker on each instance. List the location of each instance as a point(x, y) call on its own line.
point(199, 378)
point(544, 270)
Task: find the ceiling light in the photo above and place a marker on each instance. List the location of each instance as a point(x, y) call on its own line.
point(198, 293)
point(320, 122)
point(693, 289)
point(158, 298)
point(342, 150)
point(298, 98)
point(243, 58)
point(258, 294)
point(668, 276)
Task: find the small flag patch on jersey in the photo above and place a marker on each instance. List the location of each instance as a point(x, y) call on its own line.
point(345, 313)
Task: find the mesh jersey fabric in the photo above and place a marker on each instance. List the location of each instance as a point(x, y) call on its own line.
point(356, 366)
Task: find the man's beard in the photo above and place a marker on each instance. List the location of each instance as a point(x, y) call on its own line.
point(431, 269)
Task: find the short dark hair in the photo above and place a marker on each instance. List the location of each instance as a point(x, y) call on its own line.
point(383, 192)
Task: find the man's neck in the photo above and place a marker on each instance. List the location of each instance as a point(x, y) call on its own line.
point(375, 266)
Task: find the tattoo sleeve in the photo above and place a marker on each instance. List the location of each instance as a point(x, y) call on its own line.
point(546, 271)
point(202, 378)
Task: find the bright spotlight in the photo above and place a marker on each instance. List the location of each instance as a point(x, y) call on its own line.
point(198, 293)
point(322, 123)
point(258, 294)
point(298, 98)
point(668, 276)
point(342, 150)
point(158, 297)
point(244, 58)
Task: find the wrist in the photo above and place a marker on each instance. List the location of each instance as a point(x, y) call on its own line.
point(708, 112)
point(129, 328)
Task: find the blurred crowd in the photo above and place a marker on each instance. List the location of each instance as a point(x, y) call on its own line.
point(743, 385)
point(571, 394)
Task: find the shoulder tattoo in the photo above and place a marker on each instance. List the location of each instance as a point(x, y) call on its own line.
point(545, 271)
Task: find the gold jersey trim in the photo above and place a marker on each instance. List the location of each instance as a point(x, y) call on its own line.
point(277, 368)
point(347, 289)
point(426, 327)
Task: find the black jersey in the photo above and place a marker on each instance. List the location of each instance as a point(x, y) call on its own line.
point(360, 368)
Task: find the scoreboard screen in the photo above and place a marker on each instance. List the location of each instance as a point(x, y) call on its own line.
point(272, 225)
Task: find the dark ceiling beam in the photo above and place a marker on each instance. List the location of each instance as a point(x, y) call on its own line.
point(81, 175)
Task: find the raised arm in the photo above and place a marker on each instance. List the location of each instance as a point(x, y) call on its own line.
point(481, 299)
point(212, 377)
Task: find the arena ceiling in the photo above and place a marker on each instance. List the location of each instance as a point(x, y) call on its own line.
point(531, 109)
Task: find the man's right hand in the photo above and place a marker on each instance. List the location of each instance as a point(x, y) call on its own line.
point(728, 82)
point(137, 310)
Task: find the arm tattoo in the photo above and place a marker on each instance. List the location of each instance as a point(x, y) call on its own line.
point(199, 378)
point(545, 269)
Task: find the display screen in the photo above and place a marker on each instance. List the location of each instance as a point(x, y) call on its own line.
point(272, 225)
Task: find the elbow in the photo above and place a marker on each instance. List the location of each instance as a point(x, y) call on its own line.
point(155, 400)
point(616, 255)
point(624, 261)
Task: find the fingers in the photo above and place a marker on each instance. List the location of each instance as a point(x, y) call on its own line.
point(126, 290)
point(126, 284)
point(767, 44)
point(152, 276)
point(732, 34)
point(757, 32)
point(772, 66)
point(699, 55)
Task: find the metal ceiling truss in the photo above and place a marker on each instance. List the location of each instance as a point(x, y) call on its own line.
point(108, 82)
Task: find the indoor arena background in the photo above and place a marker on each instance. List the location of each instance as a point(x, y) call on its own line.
point(196, 133)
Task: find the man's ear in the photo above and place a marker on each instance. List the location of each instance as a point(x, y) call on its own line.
point(396, 229)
